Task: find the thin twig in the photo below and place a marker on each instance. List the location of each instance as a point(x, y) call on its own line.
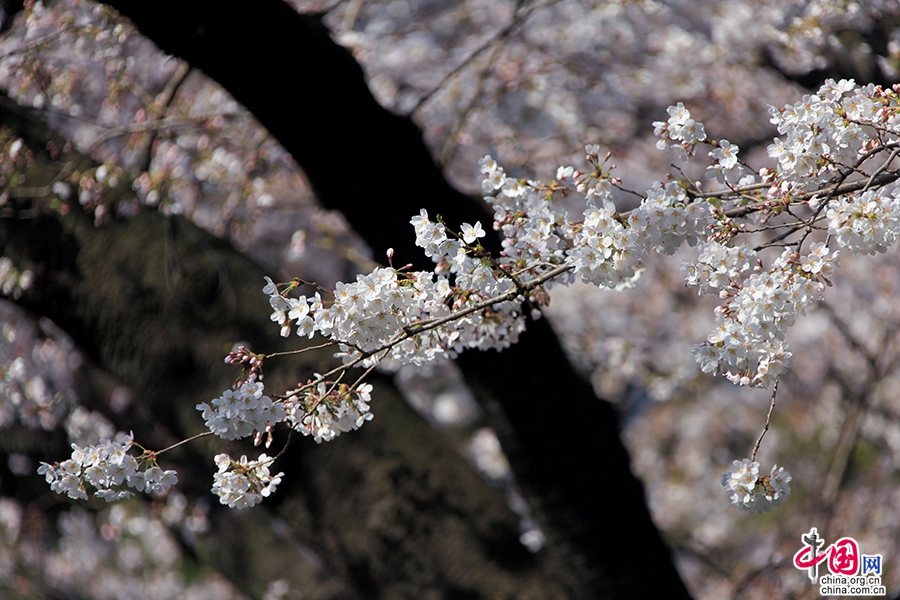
point(301, 350)
point(36, 44)
point(367, 371)
point(882, 168)
point(190, 439)
point(450, 145)
point(768, 420)
point(498, 38)
point(152, 126)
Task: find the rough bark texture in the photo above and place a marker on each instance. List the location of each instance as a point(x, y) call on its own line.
point(373, 166)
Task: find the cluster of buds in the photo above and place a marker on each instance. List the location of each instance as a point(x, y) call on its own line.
point(250, 362)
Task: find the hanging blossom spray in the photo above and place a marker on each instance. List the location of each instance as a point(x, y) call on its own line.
point(832, 165)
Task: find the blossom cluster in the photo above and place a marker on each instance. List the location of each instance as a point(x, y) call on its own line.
point(667, 218)
point(754, 493)
point(34, 390)
point(372, 313)
point(747, 343)
point(109, 468)
point(866, 223)
point(604, 249)
point(286, 309)
point(605, 252)
point(684, 133)
point(325, 413)
point(240, 412)
point(12, 281)
point(825, 132)
point(534, 230)
point(726, 168)
point(680, 131)
point(244, 483)
point(827, 135)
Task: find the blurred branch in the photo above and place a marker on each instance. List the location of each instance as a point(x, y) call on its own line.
point(858, 401)
point(149, 126)
point(159, 109)
point(843, 447)
point(520, 15)
point(36, 44)
point(448, 148)
point(844, 329)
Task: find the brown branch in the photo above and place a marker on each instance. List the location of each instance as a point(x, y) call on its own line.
point(159, 108)
point(498, 38)
point(768, 420)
